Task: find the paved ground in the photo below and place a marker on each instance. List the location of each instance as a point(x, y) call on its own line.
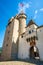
point(15, 63)
point(29, 62)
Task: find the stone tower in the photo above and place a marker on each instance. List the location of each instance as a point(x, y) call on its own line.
point(9, 51)
point(16, 26)
point(22, 23)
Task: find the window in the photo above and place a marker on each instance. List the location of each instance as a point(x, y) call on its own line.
point(28, 39)
point(22, 36)
point(6, 44)
point(29, 32)
point(34, 37)
point(32, 30)
point(9, 31)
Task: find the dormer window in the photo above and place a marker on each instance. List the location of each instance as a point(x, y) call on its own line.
point(29, 32)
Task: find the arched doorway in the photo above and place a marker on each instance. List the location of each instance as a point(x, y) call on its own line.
point(34, 52)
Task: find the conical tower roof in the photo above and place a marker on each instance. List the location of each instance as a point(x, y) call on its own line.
point(31, 22)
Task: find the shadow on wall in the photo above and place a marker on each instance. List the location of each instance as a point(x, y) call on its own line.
point(14, 50)
point(0, 53)
point(0, 56)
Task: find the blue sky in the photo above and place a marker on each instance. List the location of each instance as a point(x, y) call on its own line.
point(8, 8)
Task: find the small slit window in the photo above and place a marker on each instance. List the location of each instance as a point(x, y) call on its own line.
point(32, 30)
point(22, 36)
point(6, 44)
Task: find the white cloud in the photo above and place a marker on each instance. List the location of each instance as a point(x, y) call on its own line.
point(24, 8)
point(35, 14)
point(36, 11)
point(41, 9)
point(30, 2)
point(35, 17)
point(27, 5)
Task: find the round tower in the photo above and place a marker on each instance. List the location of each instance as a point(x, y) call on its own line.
point(10, 43)
point(16, 28)
point(22, 23)
point(15, 36)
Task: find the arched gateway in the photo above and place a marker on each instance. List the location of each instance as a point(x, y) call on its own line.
point(34, 52)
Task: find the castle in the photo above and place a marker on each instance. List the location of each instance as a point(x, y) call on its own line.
point(22, 41)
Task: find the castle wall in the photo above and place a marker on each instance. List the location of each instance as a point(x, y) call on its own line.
point(32, 29)
point(15, 41)
point(23, 51)
point(15, 35)
point(22, 23)
point(6, 50)
point(10, 45)
point(40, 42)
point(24, 45)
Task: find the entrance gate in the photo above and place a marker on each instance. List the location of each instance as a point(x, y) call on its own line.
point(34, 54)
